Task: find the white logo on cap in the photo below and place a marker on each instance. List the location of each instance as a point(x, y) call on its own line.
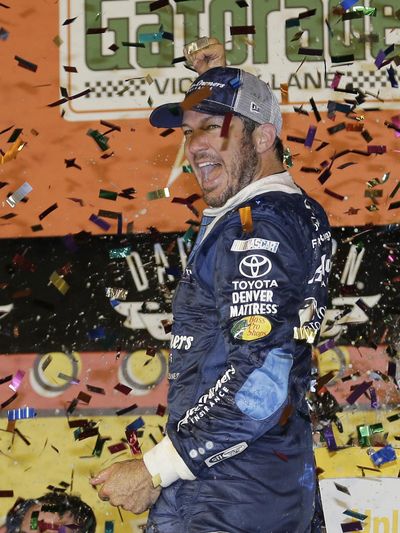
point(254, 107)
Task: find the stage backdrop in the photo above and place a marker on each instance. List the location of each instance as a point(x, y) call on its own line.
point(89, 260)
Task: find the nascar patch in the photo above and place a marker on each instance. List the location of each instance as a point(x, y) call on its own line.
point(250, 328)
point(255, 243)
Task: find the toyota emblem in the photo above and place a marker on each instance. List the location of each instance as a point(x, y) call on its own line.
point(255, 266)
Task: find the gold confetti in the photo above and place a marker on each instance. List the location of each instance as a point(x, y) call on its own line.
point(59, 283)
point(246, 219)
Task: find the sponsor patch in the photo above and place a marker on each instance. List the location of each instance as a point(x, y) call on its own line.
point(226, 454)
point(254, 244)
point(250, 328)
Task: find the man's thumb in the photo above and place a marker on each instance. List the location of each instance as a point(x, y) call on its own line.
point(100, 478)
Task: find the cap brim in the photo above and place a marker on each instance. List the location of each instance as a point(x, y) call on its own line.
point(171, 115)
point(167, 116)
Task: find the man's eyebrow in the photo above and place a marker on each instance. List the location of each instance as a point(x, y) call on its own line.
point(210, 117)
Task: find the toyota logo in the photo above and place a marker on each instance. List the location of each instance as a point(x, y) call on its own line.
point(255, 266)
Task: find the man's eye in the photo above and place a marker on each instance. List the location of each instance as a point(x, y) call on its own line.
point(186, 133)
point(213, 126)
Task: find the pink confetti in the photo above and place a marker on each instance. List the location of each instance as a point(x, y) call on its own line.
point(17, 380)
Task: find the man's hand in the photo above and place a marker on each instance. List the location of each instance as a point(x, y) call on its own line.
point(205, 58)
point(127, 484)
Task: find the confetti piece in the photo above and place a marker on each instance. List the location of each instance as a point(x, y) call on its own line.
point(242, 3)
point(346, 58)
point(287, 157)
point(100, 222)
point(335, 129)
point(242, 30)
point(9, 400)
point(358, 391)
point(15, 134)
point(6, 493)
point(384, 455)
point(17, 380)
point(351, 526)
point(342, 488)
point(21, 413)
point(6, 379)
point(376, 149)
point(312, 130)
point(101, 140)
point(124, 389)
point(116, 293)
point(246, 219)
point(99, 446)
point(354, 514)
point(284, 87)
point(159, 193)
point(115, 448)
point(161, 410)
point(109, 526)
point(336, 80)
point(150, 37)
point(225, 125)
point(48, 211)
point(59, 282)
point(84, 397)
point(330, 438)
point(310, 51)
point(120, 253)
point(69, 21)
point(195, 97)
point(315, 110)
point(87, 433)
point(335, 194)
point(133, 442)
point(167, 132)
point(108, 195)
point(26, 64)
point(95, 31)
point(286, 414)
point(281, 456)
point(126, 409)
point(96, 390)
point(325, 346)
point(3, 34)
point(19, 194)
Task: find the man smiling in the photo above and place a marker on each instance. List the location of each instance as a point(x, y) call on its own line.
point(238, 456)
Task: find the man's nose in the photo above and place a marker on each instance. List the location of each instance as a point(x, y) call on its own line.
point(198, 141)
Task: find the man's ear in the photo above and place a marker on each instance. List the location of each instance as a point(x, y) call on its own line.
point(264, 137)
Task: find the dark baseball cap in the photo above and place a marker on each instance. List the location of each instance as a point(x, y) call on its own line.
point(232, 91)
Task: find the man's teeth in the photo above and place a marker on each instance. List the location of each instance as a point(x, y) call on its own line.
point(207, 163)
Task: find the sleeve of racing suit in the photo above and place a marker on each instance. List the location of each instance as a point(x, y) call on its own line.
point(258, 285)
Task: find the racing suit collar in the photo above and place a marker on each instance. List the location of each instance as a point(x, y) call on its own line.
point(282, 182)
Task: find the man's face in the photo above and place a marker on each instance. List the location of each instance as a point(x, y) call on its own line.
point(223, 166)
point(54, 521)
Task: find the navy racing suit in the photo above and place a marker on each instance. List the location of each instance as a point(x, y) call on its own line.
point(238, 455)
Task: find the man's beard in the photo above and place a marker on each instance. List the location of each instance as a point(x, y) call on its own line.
point(243, 168)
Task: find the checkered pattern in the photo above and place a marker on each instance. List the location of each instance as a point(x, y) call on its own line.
point(112, 89)
point(367, 81)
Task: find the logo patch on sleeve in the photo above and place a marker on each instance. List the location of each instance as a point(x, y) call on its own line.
point(250, 328)
point(226, 454)
point(255, 243)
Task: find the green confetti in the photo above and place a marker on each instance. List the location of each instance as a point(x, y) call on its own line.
point(120, 253)
point(100, 139)
point(287, 158)
point(108, 195)
point(159, 193)
point(150, 37)
point(188, 237)
point(366, 11)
